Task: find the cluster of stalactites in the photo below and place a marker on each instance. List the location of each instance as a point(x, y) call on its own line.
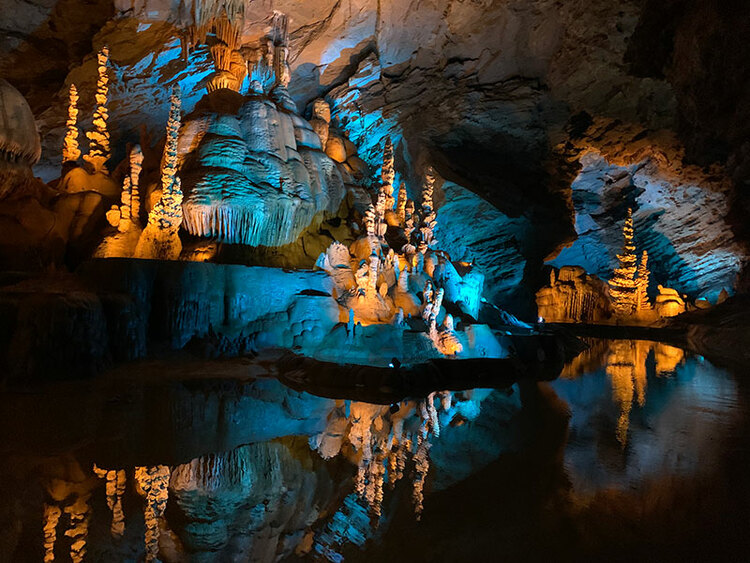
point(627, 288)
point(206, 13)
point(230, 65)
point(99, 149)
point(71, 152)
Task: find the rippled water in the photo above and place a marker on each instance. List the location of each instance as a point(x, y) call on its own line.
point(637, 449)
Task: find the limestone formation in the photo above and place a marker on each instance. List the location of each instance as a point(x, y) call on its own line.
point(321, 118)
point(387, 176)
point(642, 279)
point(20, 148)
point(115, 489)
point(669, 303)
point(70, 151)
point(573, 297)
point(153, 484)
point(623, 285)
point(99, 149)
point(160, 239)
point(401, 203)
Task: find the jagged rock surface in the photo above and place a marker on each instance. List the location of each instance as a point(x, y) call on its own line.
point(257, 177)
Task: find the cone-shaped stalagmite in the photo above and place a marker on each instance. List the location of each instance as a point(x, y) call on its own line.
point(99, 150)
point(160, 239)
point(623, 285)
point(642, 278)
point(70, 151)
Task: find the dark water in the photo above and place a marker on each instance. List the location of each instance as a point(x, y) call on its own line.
point(637, 450)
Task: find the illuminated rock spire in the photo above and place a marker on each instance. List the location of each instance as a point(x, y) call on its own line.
point(99, 149)
point(623, 285)
point(70, 151)
point(401, 203)
point(388, 174)
point(160, 239)
point(642, 278)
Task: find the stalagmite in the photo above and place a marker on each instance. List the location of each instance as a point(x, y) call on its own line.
point(642, 279)
point(160, 239)
point(373, 273)
point(388, 174)
point(99, 149)
point(70, 151)
point(623, 285)
point(401, 203)
point(445, 338)
point(320, 121)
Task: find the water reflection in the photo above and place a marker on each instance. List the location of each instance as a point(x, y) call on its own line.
point(332, 479)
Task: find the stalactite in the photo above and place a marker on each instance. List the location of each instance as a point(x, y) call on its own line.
point(71, 152)
point(99, 149)
point(623, 285)
point(153, 484)
point(207, 12)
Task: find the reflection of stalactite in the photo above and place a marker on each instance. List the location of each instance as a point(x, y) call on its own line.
point(78, 529)
point(114, 489)
point(51, 518)
point(153, 483)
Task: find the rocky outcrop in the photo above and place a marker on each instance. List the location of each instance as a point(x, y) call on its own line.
point(257, 176)
point(679, 210)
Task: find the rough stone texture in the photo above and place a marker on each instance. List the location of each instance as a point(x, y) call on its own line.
point(680, 211)
point(459, 85)
point(245, 177)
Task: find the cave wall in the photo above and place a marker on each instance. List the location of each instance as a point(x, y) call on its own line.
point(489, 93)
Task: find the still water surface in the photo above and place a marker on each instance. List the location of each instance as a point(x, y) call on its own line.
point(637, 449)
